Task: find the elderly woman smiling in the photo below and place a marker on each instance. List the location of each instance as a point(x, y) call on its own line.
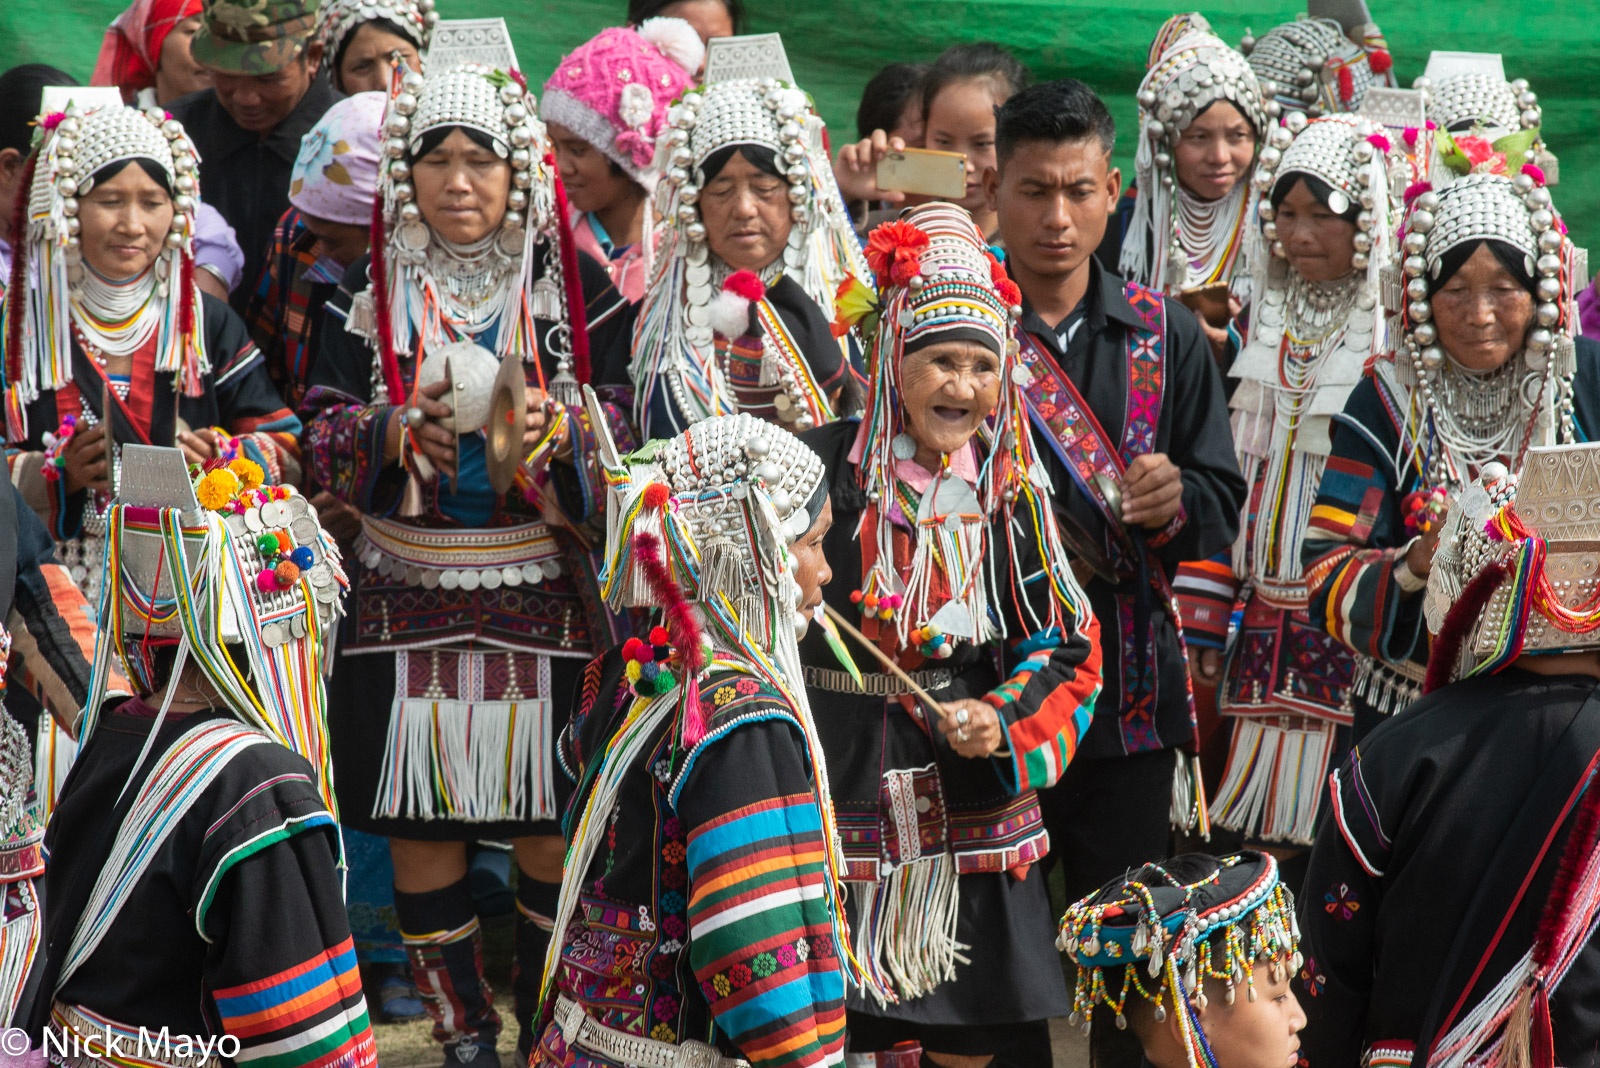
point(944, 548)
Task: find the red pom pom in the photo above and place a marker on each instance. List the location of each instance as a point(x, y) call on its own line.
point(659, 636)
point(1380, 61)
point(656, 495)
point(633, 649)
point(1010, 293)
point(894, 244)
point(746, 284)
point(855, 596)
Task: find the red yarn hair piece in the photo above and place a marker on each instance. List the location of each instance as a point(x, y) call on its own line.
point(17, 294)
point(745, 284)
point(1347, 86)
point(577, 317)
point(894, 251)
point(681, 626)
point(1468, 607)
point(387, 361)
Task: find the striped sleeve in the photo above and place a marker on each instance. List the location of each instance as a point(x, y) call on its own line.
point(1046, 704)
point(282, 967)
point(1206, 591)
point(1352, 543)
point(760, 933)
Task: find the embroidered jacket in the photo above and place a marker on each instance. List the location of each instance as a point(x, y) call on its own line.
point(703, 914)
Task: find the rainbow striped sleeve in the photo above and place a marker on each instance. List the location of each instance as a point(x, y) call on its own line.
point(1352, 542)
point(1206, 590)
point(312, 1015)
point(1046, 704)
point(760, 939)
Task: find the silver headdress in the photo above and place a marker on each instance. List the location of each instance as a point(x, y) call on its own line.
point(1311, 65)
point(436, 292)
point(339, 17)
point(72, 146)
point(674, 336)
point(1496, 535)
point(1468, 94)
point(218, 563)
point(1192, 74)
point(1472, 415)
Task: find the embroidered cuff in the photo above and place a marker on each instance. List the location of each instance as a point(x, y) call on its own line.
point(1160, 537)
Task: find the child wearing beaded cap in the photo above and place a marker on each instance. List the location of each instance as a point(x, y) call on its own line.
point(1194, 955)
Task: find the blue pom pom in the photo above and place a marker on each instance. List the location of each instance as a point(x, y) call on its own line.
point(303, 558)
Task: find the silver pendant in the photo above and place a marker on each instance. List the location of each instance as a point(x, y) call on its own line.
point(546, 300)
point(904, 446)
point(412, 237)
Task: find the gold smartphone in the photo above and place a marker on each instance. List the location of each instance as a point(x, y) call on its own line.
point(924, 171)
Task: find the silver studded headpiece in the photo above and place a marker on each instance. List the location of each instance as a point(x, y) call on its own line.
point(339, 17)
point(475, 96)
point(71, 147)
point(1191, 75)
point(1492, 531)
point(1299, 65)
point(1479, 99)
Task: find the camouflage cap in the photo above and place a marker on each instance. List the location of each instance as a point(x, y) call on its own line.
point(253, 36)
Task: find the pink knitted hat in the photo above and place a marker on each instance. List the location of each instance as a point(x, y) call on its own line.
point(615, 89)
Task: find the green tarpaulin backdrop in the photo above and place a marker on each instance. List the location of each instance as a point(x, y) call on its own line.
point(835, 45)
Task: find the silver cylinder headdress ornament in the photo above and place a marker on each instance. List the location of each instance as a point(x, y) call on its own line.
point(674, 338)
point(1310, 65)
point(48, 272)
point(1528, 402)
point(427, 291)
point(1177, 240)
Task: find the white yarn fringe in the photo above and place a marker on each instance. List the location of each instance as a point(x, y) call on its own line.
point(1274, 780)
point(53, 754)
point(474, 761)
point(19, 943)
point(906, 929)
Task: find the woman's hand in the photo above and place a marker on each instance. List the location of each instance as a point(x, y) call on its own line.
point(1419, 557)
point(856, 168)
point(199, 445)
point(1204, 665)
point(540, 414)
point(971, 727)
point(431, 439)
point(84, 460)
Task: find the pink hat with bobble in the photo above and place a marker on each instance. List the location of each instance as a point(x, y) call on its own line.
point(615, 89)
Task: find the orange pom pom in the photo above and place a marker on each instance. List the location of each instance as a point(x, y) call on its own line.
point(656, 494)
point(287, 573)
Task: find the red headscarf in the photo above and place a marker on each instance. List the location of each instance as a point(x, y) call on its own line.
point(132, 46)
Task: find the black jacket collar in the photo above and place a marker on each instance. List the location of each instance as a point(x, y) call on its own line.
point(1104, 302)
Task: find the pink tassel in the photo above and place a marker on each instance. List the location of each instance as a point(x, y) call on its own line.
point(1378, 141)
point(1410, 134)
point(17, 295)
point(1534, 172)
point(1415, 190)
point(682, 628)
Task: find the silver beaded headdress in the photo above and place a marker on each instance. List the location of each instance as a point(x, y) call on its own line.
point(339, 17)
point(219, 563)
point(1179, 936)
point(1193, 73)
point(417, 278)
point(1478, 99)
point(69, 149)
point(1310, 65)
point(1516, 570)
point(674, 337)
point(1519, 212)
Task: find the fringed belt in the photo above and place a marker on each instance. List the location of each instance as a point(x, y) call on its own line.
point(464, 558)
point(584, 1032)
point(878, 685)
point(78, 1038)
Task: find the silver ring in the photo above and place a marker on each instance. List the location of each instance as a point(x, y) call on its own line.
point(415, 418)
point(962, 716)
point(961, 735)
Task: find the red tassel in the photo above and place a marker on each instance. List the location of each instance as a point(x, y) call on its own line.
point(387, 360)
point(188, 357)
point(1541, 1041)
point(17, 295)
point(1465, 612)
point(577, 319)
point(681, 625)
point(1347, 86)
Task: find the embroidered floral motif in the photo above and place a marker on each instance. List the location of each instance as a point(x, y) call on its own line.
point(1342, 902)
point(764, 964)
point(674, 927)
point(1312, 979)
point(666, 1007)
point(722, 695)
point(672, 902)
point(747, 686)
point(786, 956)
point(674, 853)
point(802, 949)
point(740, 975)
point(721, 986)
point(663, 1033)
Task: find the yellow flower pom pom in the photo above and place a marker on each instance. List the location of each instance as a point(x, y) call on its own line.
point(248, 471)
point(632, 671)
point(217, 488)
